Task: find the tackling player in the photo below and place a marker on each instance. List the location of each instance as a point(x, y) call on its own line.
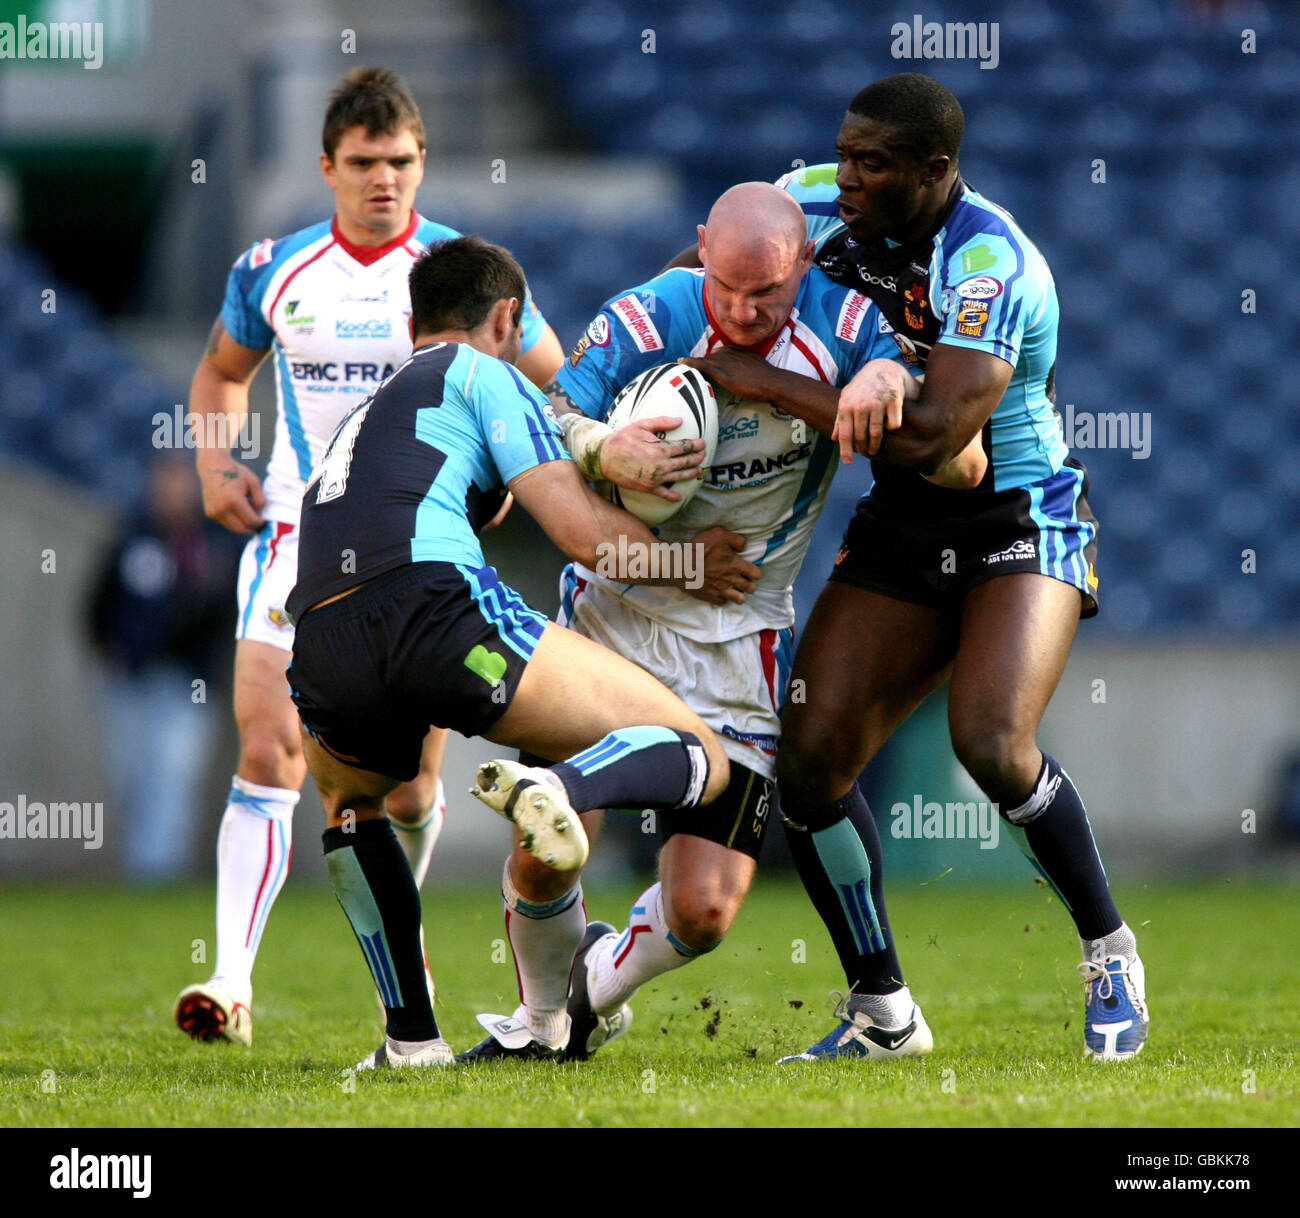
point(986, 585)
point(768, 481)
point(330, 304)
point(419, 631)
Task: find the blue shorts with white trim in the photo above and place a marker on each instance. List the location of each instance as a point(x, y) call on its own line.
point(935, 558)
point(430, 644)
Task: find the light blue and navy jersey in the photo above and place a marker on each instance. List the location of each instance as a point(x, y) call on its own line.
point(334, 316)
point(979, 282)
point(769, 476)
point(414, 472)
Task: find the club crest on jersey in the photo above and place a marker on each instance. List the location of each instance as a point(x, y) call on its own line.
point(915, 305)
point(633, 315)
point(261, 254)
point(907, 347)
point(279, 618)
point(852, 311)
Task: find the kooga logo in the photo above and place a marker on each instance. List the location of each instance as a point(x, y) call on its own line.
point(376, 327)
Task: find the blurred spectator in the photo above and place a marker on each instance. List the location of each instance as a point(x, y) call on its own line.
point(1286, 819)
point(162, 617)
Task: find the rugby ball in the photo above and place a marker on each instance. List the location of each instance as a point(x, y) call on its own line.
point(668, 389)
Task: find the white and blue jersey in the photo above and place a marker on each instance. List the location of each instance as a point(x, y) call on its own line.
point(416, 470)
point(979, 282)
point(334, 316)
point(770, 474)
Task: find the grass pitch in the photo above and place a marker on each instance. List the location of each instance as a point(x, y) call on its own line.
point(88, 975)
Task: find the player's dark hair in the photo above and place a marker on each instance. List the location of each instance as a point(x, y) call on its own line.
point(374, 98)
point(454, 284)
point(925, 119)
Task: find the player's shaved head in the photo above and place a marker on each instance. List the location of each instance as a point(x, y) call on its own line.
point(754, 220)
point(755, 251)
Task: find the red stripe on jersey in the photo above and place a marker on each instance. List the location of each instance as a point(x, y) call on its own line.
point(759, 348)
point(281, 529)
point(764, 347)
point(266, 875)
point(368, 254)
point(808, 355)
point(767, 650)
point(289, 279)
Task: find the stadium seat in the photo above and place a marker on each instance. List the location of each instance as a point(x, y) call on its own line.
point(66, 366)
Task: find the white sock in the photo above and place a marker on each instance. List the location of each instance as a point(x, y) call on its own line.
point(543, 939)
point(1121, 942)
point(418, 840)
point(885, 1010)
point(253, 849)
point(618, 967)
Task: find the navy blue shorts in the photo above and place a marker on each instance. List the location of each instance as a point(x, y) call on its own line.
point(433, 644)
point(934, 558)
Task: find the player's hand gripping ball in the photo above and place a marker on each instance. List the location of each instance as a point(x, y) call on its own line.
point(668, 389)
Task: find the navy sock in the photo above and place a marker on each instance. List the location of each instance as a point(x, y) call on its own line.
point(837, 852)
point(637, 767)
point(372, 881)
point(1051, 827)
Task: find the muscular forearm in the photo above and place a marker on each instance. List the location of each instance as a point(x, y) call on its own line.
point(585, 527)
point(597, 541)
point(813, 401)
point(927, 441)
point(214, 396)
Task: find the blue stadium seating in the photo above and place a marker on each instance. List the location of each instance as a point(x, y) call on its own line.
point(72, 402)
point(1200, 149)
point(1198, 141)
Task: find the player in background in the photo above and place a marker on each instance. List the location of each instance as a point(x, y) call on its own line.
point(985, 586)
point(330, 304)
point(421, 631)
point(768, 481)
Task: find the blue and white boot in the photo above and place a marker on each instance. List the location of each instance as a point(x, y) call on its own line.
point(856, 1035)
point(1115, 1007)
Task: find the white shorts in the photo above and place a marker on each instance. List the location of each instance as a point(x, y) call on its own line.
point(736, 687)
point(268, 571)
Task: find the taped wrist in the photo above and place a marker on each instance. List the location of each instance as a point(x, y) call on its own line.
point(584, 437)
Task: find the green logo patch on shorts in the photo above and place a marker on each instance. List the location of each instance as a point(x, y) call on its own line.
point(490, 665)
